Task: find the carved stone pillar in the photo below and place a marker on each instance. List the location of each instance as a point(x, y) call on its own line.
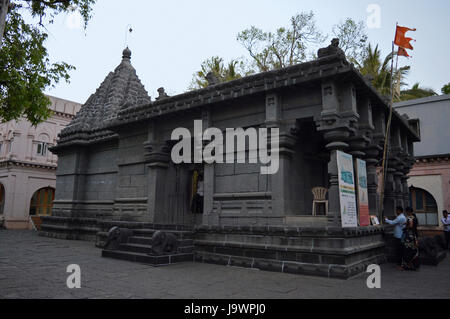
point(208, 180)
point(389, 201)
point(337, 122)
point(336, 143)
point(281, 190)
point(157, 156)
point(375, 151)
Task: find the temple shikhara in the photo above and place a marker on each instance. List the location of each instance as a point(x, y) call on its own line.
point(117, 185)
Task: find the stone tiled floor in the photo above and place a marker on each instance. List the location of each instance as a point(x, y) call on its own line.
point(35, 267)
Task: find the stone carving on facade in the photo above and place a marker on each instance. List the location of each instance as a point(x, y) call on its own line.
point(161, 94)
point(332, 49)
point(116, 237)
point(164, 243)
point(212, 79)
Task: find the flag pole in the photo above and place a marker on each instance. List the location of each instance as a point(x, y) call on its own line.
point(388, 133)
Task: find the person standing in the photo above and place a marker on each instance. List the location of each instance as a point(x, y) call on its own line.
point(410, 243)
point(446, 222)
point(399, 224)
point(198, 189)
point(410, 214)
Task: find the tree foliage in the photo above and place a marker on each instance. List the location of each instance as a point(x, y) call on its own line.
point(416, 92)
point(25, 67)
point(446, 89)
point(285, 47)
point(378, 70)
point(50, 8)
point(352, 39)
point(233, 70)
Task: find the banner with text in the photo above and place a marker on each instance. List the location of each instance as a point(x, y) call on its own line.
point(363, 193)
point(347, 190)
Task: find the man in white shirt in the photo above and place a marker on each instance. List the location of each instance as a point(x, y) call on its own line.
point(446, 222)
point(399, 223)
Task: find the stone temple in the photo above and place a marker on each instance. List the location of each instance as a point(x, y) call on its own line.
point(115, 169)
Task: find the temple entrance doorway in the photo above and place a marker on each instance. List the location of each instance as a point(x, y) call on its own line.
point(41, 205)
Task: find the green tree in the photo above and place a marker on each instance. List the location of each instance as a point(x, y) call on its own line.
point(379, 71)
point(25, 68)
point(285, 47)
point(446, 89)
point(352, 39)
point(416, 92)
point(47, 8)
point(235, 69)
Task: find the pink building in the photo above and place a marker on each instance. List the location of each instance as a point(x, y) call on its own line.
point(429, 180)
point(27, 167)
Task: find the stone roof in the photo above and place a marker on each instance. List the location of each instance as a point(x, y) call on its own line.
point(120, 90)
point(329, 65)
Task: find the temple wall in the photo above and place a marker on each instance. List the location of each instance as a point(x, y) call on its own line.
point(101, 173)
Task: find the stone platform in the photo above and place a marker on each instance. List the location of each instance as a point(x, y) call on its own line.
point(320, 251)
point(325, 251)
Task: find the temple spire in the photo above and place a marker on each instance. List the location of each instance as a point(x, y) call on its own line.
point(126, 54)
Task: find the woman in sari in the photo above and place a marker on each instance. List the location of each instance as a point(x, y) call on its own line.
point(410, 246)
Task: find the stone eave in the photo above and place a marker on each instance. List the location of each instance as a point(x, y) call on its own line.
point(83, 139)
point(250, 85)
point(384, 101)
point(317, 70)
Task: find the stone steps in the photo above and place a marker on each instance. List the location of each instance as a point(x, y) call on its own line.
point(142, 240)
point(148, 259)
point(138, 248)
point(149, 233)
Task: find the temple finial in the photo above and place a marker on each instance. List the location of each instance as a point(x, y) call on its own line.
point(126, 54)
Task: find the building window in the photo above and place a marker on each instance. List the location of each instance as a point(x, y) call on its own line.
point(11, 142)
point(42, 149)
point(424, 206)
point(42, 202)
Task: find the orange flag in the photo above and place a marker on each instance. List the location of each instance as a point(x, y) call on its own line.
point(402, 52)
point(400, 38)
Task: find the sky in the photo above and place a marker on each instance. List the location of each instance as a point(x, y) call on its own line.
point(171, 38)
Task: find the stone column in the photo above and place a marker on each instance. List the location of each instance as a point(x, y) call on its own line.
point(389, 201)
point(281, 190)
point(336, 143)
point(208, 180)
point(397, 152)
point(371, 149)
point(337, 122)
point(375, 151)
point(157, 156)
point(393, 195)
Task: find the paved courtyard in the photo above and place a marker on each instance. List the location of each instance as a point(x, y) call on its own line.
point(35, 267)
